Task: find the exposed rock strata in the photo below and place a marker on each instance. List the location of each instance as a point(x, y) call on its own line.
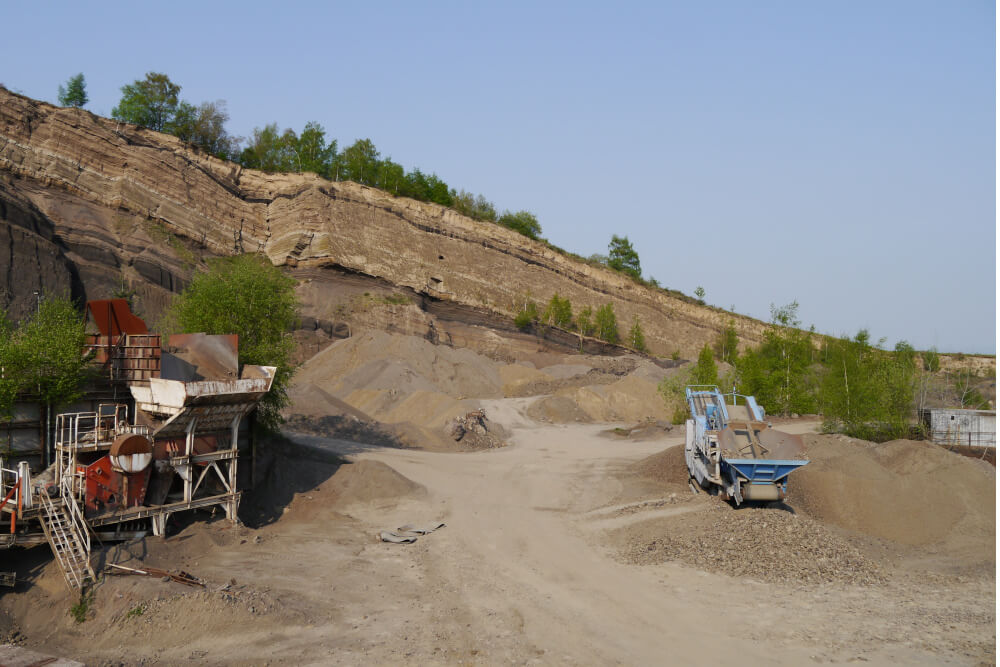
point(139, 207)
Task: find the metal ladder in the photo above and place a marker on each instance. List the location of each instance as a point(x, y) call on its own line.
point(69, 540)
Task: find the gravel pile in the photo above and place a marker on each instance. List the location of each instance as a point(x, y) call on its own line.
point(770, 545)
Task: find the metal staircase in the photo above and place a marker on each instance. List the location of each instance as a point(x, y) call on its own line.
point(68, 536)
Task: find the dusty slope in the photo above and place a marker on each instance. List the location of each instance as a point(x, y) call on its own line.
point(407, 382)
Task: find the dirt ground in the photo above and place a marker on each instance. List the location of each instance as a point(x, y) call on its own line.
point(544, 559)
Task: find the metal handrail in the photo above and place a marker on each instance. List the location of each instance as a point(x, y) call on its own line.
point(75, 515)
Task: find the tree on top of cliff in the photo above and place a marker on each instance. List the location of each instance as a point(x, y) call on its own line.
point(150, 102)
point(623, 257)
point(359, 162)
point(312, 153)
point(522, 222)
point(269, 150)
point(252, 298)
point(205, 126)
point(74, 93)
point(476, 207)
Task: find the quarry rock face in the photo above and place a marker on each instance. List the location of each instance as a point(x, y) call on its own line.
point(94, 206)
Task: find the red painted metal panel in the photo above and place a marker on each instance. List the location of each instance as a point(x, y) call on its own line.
point(109, 490)
point(113, 318)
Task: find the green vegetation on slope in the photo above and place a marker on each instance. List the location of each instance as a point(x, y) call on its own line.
point(43, 355)
point(860, 388)
point(248, 296)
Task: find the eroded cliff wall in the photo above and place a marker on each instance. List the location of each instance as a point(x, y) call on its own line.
point(93, 206)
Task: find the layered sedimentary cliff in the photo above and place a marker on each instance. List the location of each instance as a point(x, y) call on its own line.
point(93, 206)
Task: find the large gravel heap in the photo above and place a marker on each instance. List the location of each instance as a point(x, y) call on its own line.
point(771, 545)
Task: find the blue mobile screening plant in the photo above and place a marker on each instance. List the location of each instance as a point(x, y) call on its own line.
point(731, 450)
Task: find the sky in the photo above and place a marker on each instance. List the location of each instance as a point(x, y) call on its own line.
point(837, 154)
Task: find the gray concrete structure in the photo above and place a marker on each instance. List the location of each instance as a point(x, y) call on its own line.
point(951, 426)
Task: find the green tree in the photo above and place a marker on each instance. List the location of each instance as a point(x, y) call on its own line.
point(250, 297)
point(527, 316)
point(726, 343)
point(312, 152)
point(932, 360)
point(424, 187)
point(390, 176)
point(868, 392)
point(671, 388)
point(585, 323)
point(205, 126)
point(705, 370)
point(559, 312)
point(269, 150)
point(476, 207)
point(11, 367)
point(778, 371)
point(359, 162)
point(438, 192)
point(623, 257)
point(964, 381)
point(151, 102)
point(522, 222)
point(44, 355)
point(74, 93)
point(636, 339)
point(699, 293)
point(606, 324)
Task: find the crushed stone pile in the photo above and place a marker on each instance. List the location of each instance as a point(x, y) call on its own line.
point(910, 492)
point(667, 467)
point(771, 545)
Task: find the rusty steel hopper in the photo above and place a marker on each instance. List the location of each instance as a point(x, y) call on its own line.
point(213, 404)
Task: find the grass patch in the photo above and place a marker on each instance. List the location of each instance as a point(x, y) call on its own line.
point(80, 610)
point(136, 611)
point(160, 233)
point(369, 301)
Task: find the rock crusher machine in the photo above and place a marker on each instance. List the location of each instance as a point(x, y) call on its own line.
point(179, 452)
point(731, 450)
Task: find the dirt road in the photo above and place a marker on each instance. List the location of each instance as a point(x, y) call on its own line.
point(523, 573)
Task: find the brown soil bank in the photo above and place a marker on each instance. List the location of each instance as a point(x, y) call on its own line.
point(910, 492)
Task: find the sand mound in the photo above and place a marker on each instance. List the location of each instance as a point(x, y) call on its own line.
point(516, 376)
point(558, 410)
point(309, 399)
point(630, 399)
point(367, 481)
point(766, 544)
point(913, 493)
point(379, 360)
point(412, 387)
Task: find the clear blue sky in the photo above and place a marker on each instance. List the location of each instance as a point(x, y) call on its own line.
point(841, 154)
